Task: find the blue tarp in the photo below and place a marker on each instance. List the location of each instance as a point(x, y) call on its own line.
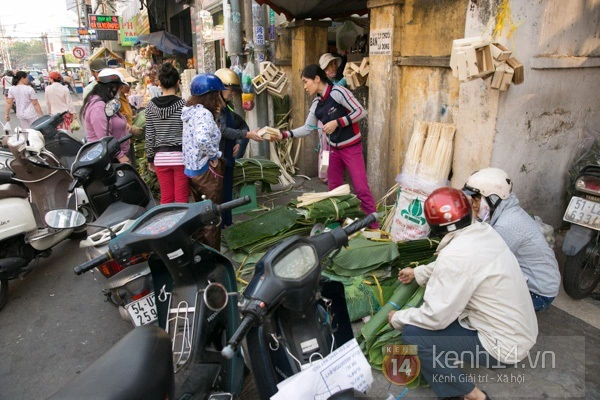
point(165, 42)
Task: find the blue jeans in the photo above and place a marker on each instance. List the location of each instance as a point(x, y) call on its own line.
point(438, 351)
point(540, 303)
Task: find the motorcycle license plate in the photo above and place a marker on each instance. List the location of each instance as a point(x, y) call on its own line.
point(143, 311)
point(583, 212)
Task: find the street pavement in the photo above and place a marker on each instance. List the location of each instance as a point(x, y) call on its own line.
point(56, 324)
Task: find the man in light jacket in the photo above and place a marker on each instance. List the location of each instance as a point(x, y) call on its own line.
point(494, 202)
point(476, 304)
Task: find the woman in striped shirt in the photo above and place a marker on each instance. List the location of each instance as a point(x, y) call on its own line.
point(164, 128)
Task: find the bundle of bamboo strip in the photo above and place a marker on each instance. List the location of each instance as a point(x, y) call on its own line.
point(310, 198)
point(443, 161)
point(415, 147)
point(429, 154)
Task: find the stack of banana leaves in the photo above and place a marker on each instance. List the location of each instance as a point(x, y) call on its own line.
point(250, 170)
point(332, 209)
point(268, 229)
point(369, 269)
point(264, 231)
point(377, 333)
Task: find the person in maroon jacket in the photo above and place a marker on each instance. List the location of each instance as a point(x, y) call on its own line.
point(339, 112)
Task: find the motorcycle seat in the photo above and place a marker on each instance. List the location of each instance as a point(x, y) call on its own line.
point(114, 214)
point(9, 190)
point(139, 366)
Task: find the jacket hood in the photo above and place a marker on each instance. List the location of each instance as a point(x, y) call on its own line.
point(165, 106)
point(510, 202)
point(188, 112)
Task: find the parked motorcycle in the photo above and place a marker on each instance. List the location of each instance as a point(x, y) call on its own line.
point(117, 196)
point(138, 367)
point(581, 273)
point(194, 283)
point(289, 315)
point(38, 182)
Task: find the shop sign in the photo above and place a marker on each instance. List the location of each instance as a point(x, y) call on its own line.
point(104, 22)
point(259, 35)
point(86, 34)
point(380, 42)
point(127, 33)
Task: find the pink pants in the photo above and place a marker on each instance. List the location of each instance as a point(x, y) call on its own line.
point(174, 186)
point(351, 159)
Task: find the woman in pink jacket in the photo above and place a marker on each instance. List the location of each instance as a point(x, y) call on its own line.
point(97, 124)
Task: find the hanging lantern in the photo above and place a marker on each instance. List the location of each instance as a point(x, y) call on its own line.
point(206, 22)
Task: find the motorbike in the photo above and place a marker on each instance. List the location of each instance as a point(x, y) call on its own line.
point(33, 182)
point(195, 283)
point(290, 315)
point(117, 197)
point(581, 245)
point(192, 282)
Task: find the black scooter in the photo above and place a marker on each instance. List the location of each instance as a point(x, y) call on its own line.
point(196, 311)
point(192, 283)
point(289, 314)
point(117, 197)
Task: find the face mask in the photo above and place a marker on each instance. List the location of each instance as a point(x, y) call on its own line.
point(484, 210)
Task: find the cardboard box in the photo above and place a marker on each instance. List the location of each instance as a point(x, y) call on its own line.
point(499, 52)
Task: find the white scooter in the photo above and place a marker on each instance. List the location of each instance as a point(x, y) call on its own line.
point(38, 183)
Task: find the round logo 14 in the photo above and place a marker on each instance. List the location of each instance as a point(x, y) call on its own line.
point(401, 365)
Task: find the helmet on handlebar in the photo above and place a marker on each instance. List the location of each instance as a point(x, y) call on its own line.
point(205, 83)
point(492, 183)
point(446, 210)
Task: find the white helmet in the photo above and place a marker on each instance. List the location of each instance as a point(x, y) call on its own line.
point(489, 182)
point(108, 75)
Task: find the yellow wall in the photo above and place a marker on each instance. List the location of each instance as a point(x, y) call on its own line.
point(400, 94)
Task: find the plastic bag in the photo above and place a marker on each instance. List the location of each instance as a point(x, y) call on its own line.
point(409, 218)
point(247, 101)
point(345, 36)
point(7, 126)
point(75, 126)
point(236, 68)
point(247, 76)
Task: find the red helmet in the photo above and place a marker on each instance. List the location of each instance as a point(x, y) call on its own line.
point(446, 210)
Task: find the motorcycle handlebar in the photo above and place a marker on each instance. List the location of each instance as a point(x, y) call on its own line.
point(73, 185)
point(80, 269)
point(357, 226)
point(233, 204)
point(229, 351)
point(124, 138)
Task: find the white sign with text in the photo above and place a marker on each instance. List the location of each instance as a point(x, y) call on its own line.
point(345, 368)
point(380, 42)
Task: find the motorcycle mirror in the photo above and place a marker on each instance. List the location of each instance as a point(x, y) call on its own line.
point(215, 297)
point(112, 107)
point(64, 218)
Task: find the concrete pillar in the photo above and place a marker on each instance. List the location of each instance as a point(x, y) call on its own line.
point(383, 94)
point(309, 41)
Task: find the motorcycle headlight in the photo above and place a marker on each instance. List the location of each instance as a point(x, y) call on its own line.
point(296, 264)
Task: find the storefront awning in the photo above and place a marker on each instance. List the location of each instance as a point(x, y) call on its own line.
point(317, 9)
point(165, 42)
point(105, 54)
